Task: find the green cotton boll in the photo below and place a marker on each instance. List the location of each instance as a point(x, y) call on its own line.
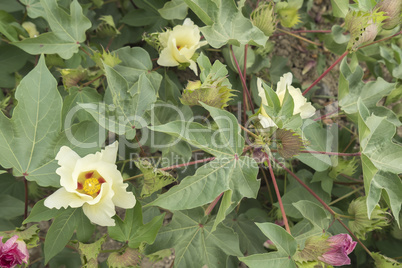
point(363, 27)
point(288, 14)
point(392, 9)
point(362, 224)
point(264, 18)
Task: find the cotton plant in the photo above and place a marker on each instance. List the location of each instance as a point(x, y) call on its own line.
point(226, 164)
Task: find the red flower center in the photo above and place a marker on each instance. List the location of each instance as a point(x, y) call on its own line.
point(89, 182)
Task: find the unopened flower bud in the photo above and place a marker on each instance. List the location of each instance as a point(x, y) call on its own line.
point(362, 223)
point(263, 17)
point(30, 28)
point(392, 9)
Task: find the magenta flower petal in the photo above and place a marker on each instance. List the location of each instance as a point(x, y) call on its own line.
point(13, 252)
point(341, 246)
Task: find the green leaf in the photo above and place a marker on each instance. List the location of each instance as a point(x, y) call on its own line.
point(27, 138)
point(136, 61)
point(71, 109)
point(174, 10)
point(193, 241)
point(140, 17)
point(272, 259)
point(89, 252)
point(11, 207)
point(154, 179)
point(250, 236)
point(34, 8)
point(353, 88)
point(340, 8)
point(60, 232)
point(68, 31)
point(319, 139)
point(314, 213)
point(227, 171)
point(6, 27)
point(85, 228)
point(10, 186)
point(12, 59)
point(41, 213)
point(380, 160)
point(133, 230)
point(285, 243)
point(226, 23)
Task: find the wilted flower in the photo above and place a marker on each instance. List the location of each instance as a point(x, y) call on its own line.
point(339, 247)
point(179, 45)
point(92, 182)
point(392, 9)
point(263, 17)
point(362, 223)
point(13, 252)
point(30, 28)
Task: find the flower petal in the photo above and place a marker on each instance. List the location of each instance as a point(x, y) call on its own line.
point(62, 198)
point(101, 213)
point(22, 247)
point(109, 154)
point(284, 82)
point(166, 58)
point(266, 121)
point(261, 92)
point(67, 160)
point(9, 243)
point(121, 197)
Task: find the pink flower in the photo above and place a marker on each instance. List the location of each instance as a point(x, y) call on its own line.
point(13, 252)
point(340, 246)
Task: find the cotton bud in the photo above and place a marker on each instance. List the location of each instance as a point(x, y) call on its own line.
point(362, 223)
point(264, 18)
point(392, 9)
point(288, 143)
point(30, 28)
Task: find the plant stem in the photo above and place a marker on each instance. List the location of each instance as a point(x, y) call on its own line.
point(325, 205)
point(90, 82)
point(346, 195)
point(26, 198)
point(278, 194)
point(299, 37)
point(326, 115)
point(249, 132)
point(86, 52)
point(212, 205)
point(269, 188)
point(326, 72)
point(134, 177)
point(384, 39)
point(306, 187)
point(243, 81)
point(139, 144)
point(332, 153)
point(245, 62)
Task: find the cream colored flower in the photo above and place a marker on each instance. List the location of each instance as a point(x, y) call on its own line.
point(30, 28)
point(264, 118)
point(301, 106)
point(93, 183)
point(179, 45)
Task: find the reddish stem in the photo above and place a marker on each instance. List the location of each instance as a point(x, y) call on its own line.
point(326, 72)
point(278, 194)
point(189, 163)
point(324, 204)
point(243, 80)
point(139, 144)
point(245, 62)
point(306, 187)
point(332, 153)
point(26, 198)
point(212, 205)
point(326, 115)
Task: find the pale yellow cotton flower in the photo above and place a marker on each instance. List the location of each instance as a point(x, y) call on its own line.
point(91, 182)
point(179, 45)
point(264, 118)
point(301, 106)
